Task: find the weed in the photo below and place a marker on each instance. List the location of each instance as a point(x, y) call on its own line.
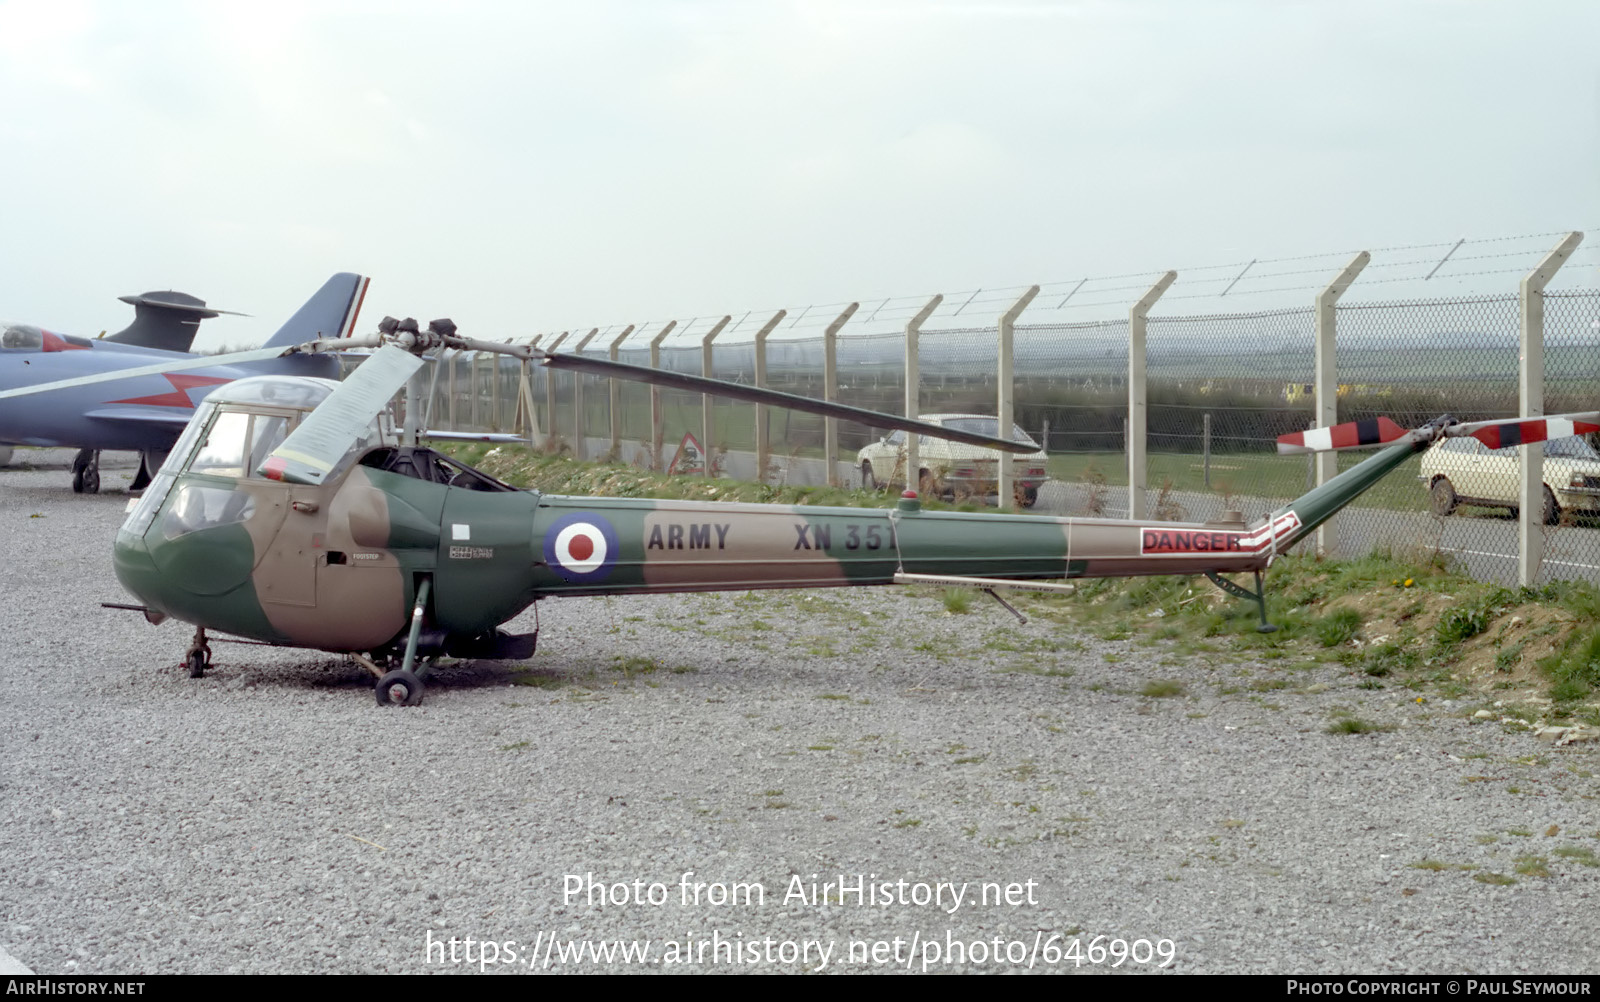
point(1574, 671)
point(1508, 657)
point(1533, 866)
point(1578, 854)
point(1338, 628)
point(957, 601)
point(1353, 725)
point(1161, 688)
point(1498, 879)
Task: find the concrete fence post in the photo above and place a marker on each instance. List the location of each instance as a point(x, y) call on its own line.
point(1005, 391)
point(1326, 383)
point(656, 432)
point(615, 392)
point(1135, 435)
point(550, 390)
point(1530, 393)
point(830, 390)
point(914, 392)
point(578, 450)
point(763, 439)
point(705, 398)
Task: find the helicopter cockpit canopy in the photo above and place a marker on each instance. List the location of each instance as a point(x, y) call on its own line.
point(237, 426)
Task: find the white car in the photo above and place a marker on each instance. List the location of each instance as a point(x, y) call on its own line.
point(1463, 470)
point(953, 469)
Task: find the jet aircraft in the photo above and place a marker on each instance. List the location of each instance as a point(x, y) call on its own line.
point(145, 411)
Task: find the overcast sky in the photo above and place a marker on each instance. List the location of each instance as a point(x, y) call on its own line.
point(528, 166)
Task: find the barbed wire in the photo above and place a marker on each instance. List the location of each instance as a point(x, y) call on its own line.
point(1239, 279)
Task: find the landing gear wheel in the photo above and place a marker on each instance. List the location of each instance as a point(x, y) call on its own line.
point(868, 480)
point(198, 657)
point(86, 472)
point(1442, 497)
point(1552, 511)
point(399, 688)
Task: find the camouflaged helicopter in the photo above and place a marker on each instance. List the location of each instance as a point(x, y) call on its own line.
point(293, 512)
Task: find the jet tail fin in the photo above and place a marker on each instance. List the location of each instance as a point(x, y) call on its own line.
point(331, 313)
point(165, 320)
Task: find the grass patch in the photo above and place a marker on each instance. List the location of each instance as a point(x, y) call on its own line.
point(1161, 688)
point(1340, 627)
point(1497, 879)
point(1354, 725)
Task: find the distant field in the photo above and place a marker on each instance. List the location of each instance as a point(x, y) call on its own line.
point(1250, 474)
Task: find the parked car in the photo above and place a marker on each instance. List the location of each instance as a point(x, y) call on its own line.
point(1461, 471)
point(952, 469)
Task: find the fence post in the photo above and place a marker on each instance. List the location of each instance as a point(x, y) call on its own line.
point(472, 387)
point(830, 391)
point(550, 391)
point(454, 361)
point(1325, 388)
point(914, 393)
point(1136, 394)
point(705, 398)
point(763, 440)
point(655, 398)
point(1530, 393)
point(1206, 447)
point(615, 390)
point(1005, 390)
point(578, 450)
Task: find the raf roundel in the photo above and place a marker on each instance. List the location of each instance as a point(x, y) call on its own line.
point(581, 547)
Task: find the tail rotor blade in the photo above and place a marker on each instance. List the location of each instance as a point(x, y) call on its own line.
point(1508, 432)
point(1349, 435)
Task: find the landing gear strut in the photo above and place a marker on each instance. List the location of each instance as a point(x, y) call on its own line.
point(403, 687)
point(1258, 597)
point(86, 472)
point(198, 658)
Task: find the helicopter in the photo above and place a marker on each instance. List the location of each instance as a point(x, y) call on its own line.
point(296, 511)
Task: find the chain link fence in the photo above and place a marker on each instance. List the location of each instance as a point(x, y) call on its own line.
point(1220, 388)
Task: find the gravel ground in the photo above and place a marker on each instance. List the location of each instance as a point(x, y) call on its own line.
point(270, 818)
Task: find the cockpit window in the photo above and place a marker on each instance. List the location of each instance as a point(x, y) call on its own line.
point(222, 452)
point(196, 507)
point(237, 443)
point(21, 336)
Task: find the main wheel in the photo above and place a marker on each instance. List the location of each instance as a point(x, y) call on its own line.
point(1442, 496)
point(1552, 510)
point(399, 688)
point(91, 480)
point(868, 481)
point(196, 662)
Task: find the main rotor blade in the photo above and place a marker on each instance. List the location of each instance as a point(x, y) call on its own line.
point(176, 365)
point(775, 398)
point(1349, 435)
point(1507, 432)
point(313, 449)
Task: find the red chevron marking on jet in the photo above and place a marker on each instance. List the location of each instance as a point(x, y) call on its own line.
point(179, 397)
